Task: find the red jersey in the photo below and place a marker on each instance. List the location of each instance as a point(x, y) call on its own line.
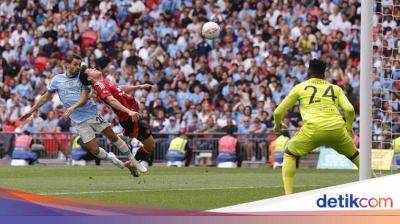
point(105, 88)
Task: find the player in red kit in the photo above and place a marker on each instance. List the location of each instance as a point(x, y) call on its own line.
point(125, 107)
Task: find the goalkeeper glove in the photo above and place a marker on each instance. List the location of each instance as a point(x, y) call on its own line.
point(279, 127)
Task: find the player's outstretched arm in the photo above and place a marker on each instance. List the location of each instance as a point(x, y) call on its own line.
point(130, 89)
point(284, 106)
point(114, 103)
point(84, 99)
point(42, 100)
point(348, 109)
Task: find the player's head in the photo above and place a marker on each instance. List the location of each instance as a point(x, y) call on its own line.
point(316, 69)
point(89, 76)
point(73, 65)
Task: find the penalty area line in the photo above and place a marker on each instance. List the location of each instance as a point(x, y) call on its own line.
point(170, 189)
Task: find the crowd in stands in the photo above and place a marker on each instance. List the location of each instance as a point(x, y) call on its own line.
point(200, 85)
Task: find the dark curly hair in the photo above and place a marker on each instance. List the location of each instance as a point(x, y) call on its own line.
point(72, 57)
point(83, 76)
point(317, 68)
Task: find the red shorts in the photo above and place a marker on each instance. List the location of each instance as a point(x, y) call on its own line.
point(139, 130)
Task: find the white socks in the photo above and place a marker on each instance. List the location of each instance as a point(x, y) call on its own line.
point(123, 147)
point(102, 154)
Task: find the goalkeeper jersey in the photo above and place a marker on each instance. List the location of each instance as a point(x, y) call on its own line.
point(320, 104)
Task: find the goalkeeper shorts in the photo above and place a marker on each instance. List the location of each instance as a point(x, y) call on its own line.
point(307, 139)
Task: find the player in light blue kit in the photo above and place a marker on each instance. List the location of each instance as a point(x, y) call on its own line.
point(83, 113)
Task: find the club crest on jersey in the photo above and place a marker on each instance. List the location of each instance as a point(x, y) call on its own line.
point(100, 85)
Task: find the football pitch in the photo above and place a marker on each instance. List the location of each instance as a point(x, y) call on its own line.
point(179, 188)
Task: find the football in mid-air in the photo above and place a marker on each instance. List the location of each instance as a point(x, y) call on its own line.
point(210, 30)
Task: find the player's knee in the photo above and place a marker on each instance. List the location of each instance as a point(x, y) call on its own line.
point(290, 154)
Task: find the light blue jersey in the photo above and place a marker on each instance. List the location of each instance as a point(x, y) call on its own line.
point(70, 92)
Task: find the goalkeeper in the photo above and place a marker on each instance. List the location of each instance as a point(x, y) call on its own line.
point(323, 124)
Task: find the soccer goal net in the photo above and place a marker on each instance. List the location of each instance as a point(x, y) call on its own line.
point(386, 74)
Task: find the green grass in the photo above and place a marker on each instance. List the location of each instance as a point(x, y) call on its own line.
point(182, 188)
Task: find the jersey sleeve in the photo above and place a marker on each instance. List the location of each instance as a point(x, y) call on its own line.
point(285, 105)
point(347, 107)
point(52, 86)
point(101, 90)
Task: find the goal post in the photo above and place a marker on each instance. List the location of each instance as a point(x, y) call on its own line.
point(366, 89)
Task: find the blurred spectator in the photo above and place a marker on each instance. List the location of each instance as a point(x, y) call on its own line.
point(50, 124)
point(24, 89)
point(258, 129)
point(23, 148)
point(171, 126)
point(229, 148)
point(35, 124)
point(262, 52)
point(179, 150)
point(195, 125)
point(247, 143)
point(15, 108)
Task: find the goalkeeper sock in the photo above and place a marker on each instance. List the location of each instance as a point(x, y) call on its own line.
point(102, 154)
point(123, 147)
point(288, 171)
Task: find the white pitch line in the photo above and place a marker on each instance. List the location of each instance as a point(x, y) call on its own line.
point(176, 189)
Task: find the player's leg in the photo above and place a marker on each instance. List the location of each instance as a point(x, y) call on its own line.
point(148, 148)
point(341, 141)
point(89, 139)
point(140, 130)
point(288, 171)
point(117, 141)
point(146, 137)
point(124, 148)
point(104, 128)
point(300, 145)
point(102, 154)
